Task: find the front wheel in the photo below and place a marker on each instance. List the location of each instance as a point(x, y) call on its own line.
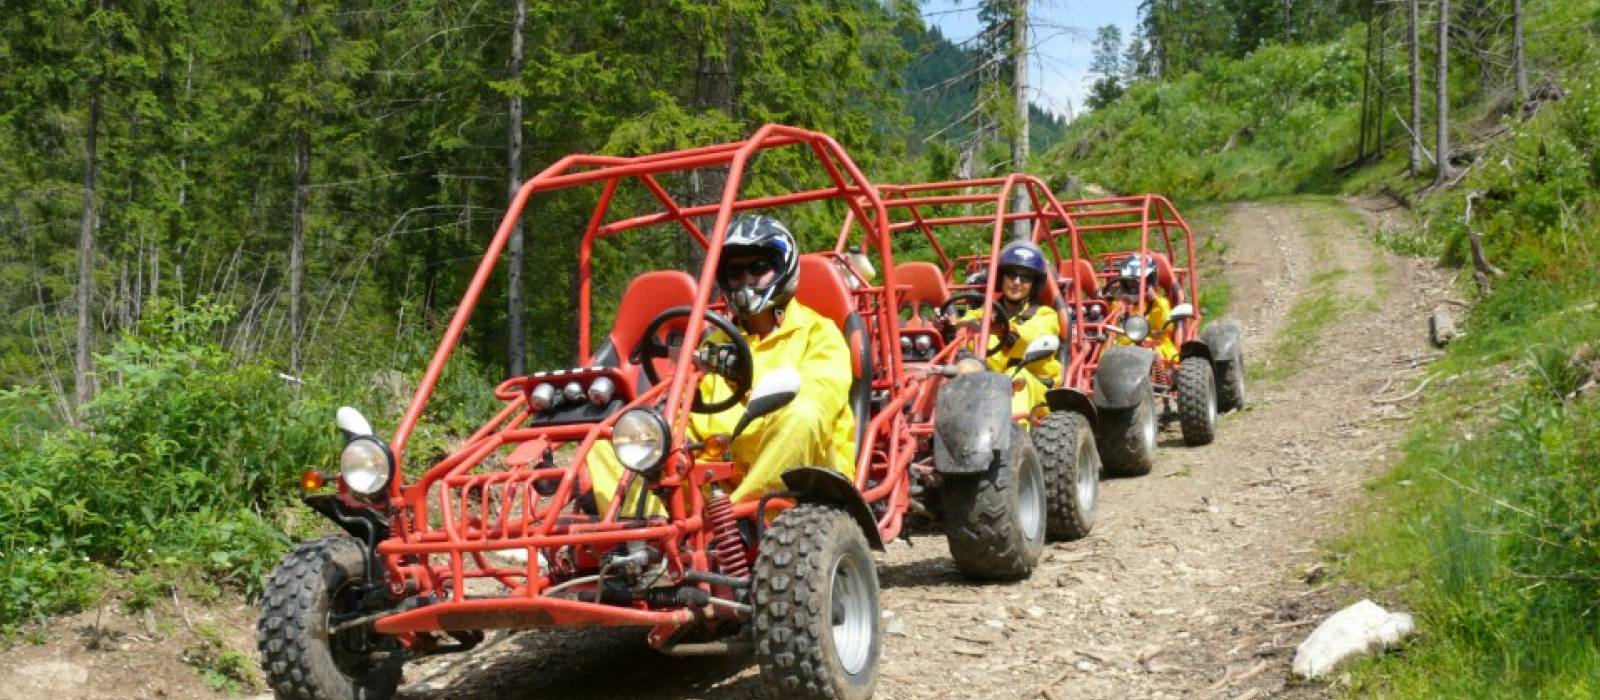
point(1197, 401)
point(995, 521)
point(1127, 438)
point(815, 594)
point(1071, 473)
point(314, 587)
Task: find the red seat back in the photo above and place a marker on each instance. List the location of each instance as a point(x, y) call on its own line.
point(1167, 278)
point(822, 290)
point(922, 287)
point(646, 297)
point(1082, 277)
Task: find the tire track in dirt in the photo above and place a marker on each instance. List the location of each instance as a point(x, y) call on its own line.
point(1189, 585)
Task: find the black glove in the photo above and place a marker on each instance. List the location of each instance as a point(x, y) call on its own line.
point(719, 358)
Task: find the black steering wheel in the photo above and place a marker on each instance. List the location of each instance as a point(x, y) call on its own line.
point(973, 300)
point(652, 347)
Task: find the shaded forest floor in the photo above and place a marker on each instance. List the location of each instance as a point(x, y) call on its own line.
point(1198, 580)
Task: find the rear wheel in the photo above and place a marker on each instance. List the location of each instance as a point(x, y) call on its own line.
point(995, 521)
point(815, 594)
point(314, 588)
point(1230, 383)
point(1071, 473)
point(1197, 401)
point(1127, 438)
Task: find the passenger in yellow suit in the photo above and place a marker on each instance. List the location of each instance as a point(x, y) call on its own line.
point(1125, 294)
point(1019, 320)
point(758, 274)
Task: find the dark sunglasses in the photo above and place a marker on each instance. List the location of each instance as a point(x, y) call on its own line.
point(757, 268)
point(1016, 275)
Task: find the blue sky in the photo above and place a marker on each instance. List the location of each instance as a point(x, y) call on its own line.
point(1062, 32)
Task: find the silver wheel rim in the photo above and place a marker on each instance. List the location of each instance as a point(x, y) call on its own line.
point(1088, 480)
point(1147, 432)
point(1211, 406)
point(854, 629)
point(1030, 502)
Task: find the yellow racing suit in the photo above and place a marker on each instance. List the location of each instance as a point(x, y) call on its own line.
point(818, 428)
point(1160, 311)
point(1035, 321)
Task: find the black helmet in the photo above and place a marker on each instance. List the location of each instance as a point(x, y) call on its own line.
point(761, 235)
point(1027, 257)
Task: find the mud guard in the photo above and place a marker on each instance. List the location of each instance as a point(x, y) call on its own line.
point(1123, 378)
point(1065, 399)
point(828, 487)
point(1223, 337)
point(1195, 348)
point(972, 423)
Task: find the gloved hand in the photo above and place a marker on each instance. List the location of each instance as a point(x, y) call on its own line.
point(718, 358)
point(1000, 325)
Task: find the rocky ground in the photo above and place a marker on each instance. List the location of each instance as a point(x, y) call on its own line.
point(1198, 580)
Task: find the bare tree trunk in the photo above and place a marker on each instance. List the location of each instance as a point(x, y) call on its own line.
point(1019, 85)
point(1382, 88)
point(297, 228)
point(1416, 90)
point(1288, 20)
point(517, 341)
point(83, 380)
point(1518, 65)
point(1442, 77)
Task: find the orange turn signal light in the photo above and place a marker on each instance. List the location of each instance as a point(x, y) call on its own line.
point(716, 447)
point(312, 480)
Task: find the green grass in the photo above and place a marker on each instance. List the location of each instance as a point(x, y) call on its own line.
point(1488, 529)
point(1302, 329)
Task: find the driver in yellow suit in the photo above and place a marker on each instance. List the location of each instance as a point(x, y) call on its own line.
point(1020, 320)
point(1125, 294)
point(758, 274)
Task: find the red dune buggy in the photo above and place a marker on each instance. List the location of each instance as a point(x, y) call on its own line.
point(1134, 295)
point(975, 213)
point(423, 568)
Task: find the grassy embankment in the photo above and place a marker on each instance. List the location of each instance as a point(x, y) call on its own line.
point(1488, 527)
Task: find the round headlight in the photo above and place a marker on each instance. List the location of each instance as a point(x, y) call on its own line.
point(924, 344)
point(365, 465)
point(905, 344)
point(541, 398)
point(572, 392)
point(640, 439)
point(601, 390)
point(1137, 328)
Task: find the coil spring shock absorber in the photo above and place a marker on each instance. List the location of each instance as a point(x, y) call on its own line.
point(725, 535)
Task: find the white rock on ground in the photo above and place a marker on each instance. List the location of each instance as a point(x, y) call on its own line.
point(1358, 629)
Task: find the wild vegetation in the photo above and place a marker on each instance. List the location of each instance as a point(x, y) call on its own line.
point(1488, 527)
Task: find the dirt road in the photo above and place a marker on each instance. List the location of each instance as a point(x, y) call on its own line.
point(1194, 583)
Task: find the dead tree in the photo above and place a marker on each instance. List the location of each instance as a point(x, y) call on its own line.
point(516, 341)
point(1416, 90)
point(1442, 77)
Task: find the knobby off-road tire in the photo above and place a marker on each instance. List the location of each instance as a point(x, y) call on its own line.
point(1065, 443)
point(1197, 401)
point(1230, 383)
point(816, 620)
point(995, 521)
point(301, 661)
point(1127, 438)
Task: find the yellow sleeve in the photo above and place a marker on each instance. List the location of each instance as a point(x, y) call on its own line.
point(823, 360)
point(1045, 322)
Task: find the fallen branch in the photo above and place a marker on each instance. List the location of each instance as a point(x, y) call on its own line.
point(1405, 396)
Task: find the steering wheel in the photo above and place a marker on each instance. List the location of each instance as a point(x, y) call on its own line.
point(652, 347)
point(974, 299)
